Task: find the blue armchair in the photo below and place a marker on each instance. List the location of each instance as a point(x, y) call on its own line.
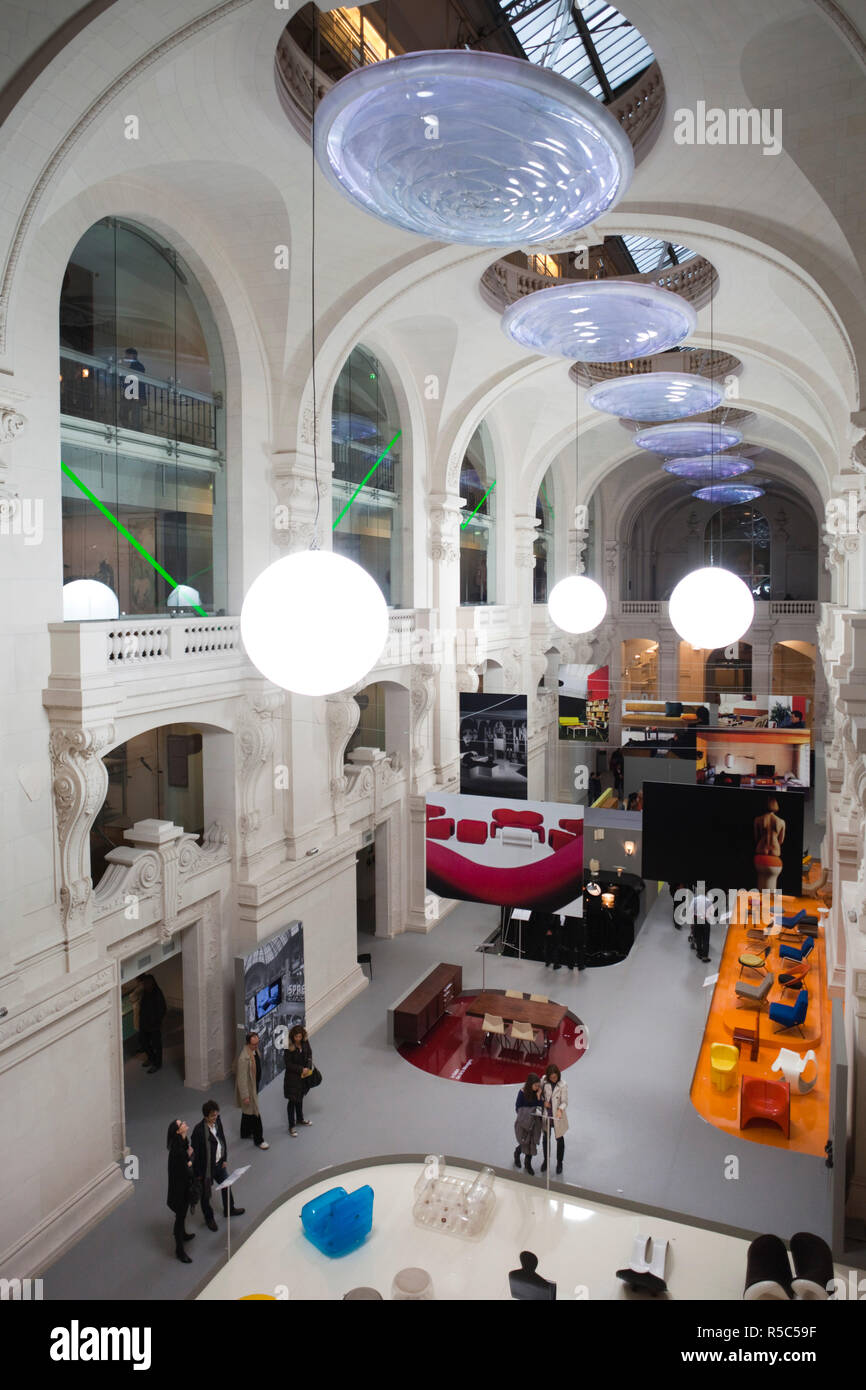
point(791, 1015)
point(792, 921)
point(338, 1221)
point(797, 952)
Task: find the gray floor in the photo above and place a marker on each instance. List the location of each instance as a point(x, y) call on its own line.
point(633, 1130)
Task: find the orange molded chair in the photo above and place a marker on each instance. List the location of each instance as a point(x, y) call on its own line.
point(765, 1100)
point(723, 1065)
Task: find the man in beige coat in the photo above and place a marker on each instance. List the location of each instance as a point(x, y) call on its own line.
point(248, 1074)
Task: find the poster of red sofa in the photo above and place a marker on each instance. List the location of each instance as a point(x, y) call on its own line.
point(507, 853)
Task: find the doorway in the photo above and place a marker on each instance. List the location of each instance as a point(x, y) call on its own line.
point(365, 889)
point(144, 1083)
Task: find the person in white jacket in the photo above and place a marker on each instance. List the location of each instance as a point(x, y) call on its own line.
point(554, 1096)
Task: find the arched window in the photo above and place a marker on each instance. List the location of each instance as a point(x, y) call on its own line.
point(366, 486)
point(477, 536)
point(142, 425)
point(543, 543)
point(738, 539)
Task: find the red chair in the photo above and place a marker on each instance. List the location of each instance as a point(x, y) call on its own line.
point(434, 811)
point(574, 827)
point(528, 820)
point(440, 829)
point(765, 1100)
point(472, 832)
point(558, 839)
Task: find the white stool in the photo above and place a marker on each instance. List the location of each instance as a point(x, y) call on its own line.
point(518, 835)
point(412, 1285)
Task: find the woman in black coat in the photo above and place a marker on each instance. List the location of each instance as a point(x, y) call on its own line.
point(299, 1067)
point(179, 1180)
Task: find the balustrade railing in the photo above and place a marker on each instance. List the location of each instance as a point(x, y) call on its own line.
point(91, 389)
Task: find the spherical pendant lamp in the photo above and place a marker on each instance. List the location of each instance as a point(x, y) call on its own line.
point(577, 604)
point(600, 321)
point(728, 492)
point(655, 396)
point(707, 467)
point(685, 438)
point(711, 608)
point(314, 623)
point(477, 148)
point(85, 600)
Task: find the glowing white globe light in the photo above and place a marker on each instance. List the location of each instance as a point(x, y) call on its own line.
point(314, 622)
point(86, 599)
point(577, 604)
point(184, 597)
point(711, 607)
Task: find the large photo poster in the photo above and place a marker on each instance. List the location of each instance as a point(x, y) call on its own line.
point(493, 733)
point(511, 854)
point(269, 984)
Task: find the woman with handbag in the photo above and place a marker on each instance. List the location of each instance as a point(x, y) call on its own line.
point(297, 1077)
point(554, 1094)
point(180, 1184)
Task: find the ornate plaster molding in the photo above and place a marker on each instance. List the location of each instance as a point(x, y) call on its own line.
point(79, 784)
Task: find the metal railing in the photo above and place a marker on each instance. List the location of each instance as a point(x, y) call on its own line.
point(91, 389)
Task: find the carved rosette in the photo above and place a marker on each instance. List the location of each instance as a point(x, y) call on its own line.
point(79, 784)
point(255, 746)
point(12, 424)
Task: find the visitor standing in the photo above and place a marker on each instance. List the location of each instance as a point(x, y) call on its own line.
point(299, 1068)
point(209, 1157)
point(248, 1076)
point(151, 1012)
point(554, 1096)
point(527, 1123)
point(180, 1179)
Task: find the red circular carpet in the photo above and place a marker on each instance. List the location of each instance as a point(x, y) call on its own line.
point(454, 1050)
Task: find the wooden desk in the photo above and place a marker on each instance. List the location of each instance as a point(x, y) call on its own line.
point(428, 1002)
point(545, 1016)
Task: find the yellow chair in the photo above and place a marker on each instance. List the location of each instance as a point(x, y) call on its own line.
point(514, 994)
point(723, 1065)
point(539, 999)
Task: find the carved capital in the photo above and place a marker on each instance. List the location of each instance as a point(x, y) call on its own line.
point(12, 424)
point(445, 514)
point(79, 784)
point(255, 746)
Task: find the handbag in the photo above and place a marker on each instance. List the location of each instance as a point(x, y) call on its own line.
point(315, 1079)
point(194, 1193)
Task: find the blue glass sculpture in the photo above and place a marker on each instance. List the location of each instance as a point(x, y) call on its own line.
point(477, 148)
point(337, 1221)
point(685, 438)
point(346, 428)
point(600, 321)
point(708, 467)
point(728, 492)
point(655, 396)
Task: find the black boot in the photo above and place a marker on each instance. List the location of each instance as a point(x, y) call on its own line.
point(517, 1157)
point(527, 1163)
point(183, 1257)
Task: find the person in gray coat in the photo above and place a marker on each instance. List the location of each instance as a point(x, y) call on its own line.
point(527, 1123)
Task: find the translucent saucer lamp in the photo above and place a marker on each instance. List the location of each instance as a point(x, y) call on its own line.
point(184, 596)
point(708, 467)
point(314, 623)
point(711, 608)
point(85, 600)
point(656, 396)
point(728, 492)
point(577, 604)
point(684, 438)
point(600, 321)
point(481, 149)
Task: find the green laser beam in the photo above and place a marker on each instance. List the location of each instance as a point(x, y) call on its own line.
point(123, 531)
point(547, 500)
point(363, 480)
point(480, 504)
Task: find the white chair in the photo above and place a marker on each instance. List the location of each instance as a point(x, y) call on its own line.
point(524, 1033)
point(792, 1065)
point(493, 1027)
point(514, 994)
point(539, 999)
point(517, 835)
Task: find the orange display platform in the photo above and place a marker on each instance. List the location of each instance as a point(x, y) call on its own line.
point(809, 1113)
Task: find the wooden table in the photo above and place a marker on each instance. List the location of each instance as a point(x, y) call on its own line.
point(545, 1016)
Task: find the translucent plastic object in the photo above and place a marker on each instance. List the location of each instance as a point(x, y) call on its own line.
point(338, 1221)
point(708, 467)
point(728, 492)
point(656, 396)
point(700, 437)
point(600, 321)
point(458, 1206)
point(478, 148)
